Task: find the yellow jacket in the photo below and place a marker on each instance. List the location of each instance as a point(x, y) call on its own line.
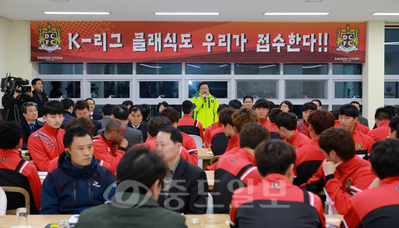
point(205, 111)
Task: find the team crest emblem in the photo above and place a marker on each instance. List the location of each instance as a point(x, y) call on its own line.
point(3, 159)
point(116, 148)
point(321, 149)
point(50, 38)
point(359, 146)
point(348, 182)
point(212, 101)
point(347, 39)
point(276, 185)
point(233, 160)
point(295, 147)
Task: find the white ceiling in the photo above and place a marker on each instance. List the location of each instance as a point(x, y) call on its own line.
point(230, 10)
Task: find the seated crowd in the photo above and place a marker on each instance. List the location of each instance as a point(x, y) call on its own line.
point(122, 164)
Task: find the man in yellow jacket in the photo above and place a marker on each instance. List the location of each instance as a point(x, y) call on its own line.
point(205, 106)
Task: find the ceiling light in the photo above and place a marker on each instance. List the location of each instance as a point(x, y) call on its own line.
point(187, 13)
point(295, 14)
point(78, 13)
point(385, 14)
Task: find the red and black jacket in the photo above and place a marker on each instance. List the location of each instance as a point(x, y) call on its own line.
point(375, 207)
point(350, 177)
point(191, 126)
point(298, 140)
point(308, 161)
point(277, 203)
point(208, 133)
point(234, 171)
point(381, 132)
point(219, 141)
point(273, 130)
point(303, 127)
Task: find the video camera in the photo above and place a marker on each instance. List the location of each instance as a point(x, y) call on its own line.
point(9, 84)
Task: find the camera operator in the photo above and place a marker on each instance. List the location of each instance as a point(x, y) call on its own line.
point(12, 103)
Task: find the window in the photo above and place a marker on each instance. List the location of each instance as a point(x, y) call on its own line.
point(348, 89)
point(306, 89)
point(159, 68)
point(257, 88)
point(347, 69)
point(57, 89)
point(306, 68)
point(60, 68)
point(391, 89)
point(156, 89)
point(256, 68)
point(217, 89)
point(109, 68)
point(112, 89)
point(391, 51)
point(208, 68)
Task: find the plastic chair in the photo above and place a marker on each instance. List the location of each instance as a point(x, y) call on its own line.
point(198, 140)
point(214, 159)
point(209, 204)
point(21, 191)
point(3, 202)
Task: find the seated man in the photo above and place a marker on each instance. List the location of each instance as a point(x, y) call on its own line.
point(136, 121)
point(210, 128)
point(273, 129)
point(107, 112)
point(275, 201)
point(239, 168)
point(394, 128)
point(348, 115)
point(188, 141)
point(92, 105)
point(79, 182)
point(342, 173)
point(82, 110)
point(303, 125)
point(224, 138)
point(16, 172)
point(382, 118)
point(110, 146)
point(262, 108)
point(140, 208)
point(187, 123)
point(30, 124)
point(310, 157)
point(67, 104)
point(46, 143)
point(378, 206)
point(286, 125)
point(185, 187)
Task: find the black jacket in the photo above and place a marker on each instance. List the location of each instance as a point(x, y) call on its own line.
point(39, 102)
point(142, 128)
point(26, 132)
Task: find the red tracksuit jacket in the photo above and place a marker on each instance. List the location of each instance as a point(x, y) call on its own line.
point(108, 151)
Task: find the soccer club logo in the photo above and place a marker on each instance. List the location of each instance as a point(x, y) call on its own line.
point(50, 38)
point(347, 39)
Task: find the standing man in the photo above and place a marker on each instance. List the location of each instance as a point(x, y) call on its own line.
point(46, 143)
point(205, 106)
point(92, 106)
point(39, 96)
point(30, 124)
point(82, 109)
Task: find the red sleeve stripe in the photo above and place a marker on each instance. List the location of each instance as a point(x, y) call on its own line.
point(23, 167)
point(247, 172)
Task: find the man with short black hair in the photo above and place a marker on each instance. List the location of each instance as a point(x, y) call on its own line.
point(363, 120)
point(382, 118)
point(146, 112)
point(82, 109)
point(185, 187)
point(212, 127)
point(107, 112)
point(187, 123)
point(235, 103)
point(394, 128)
point(141, 209)
point(16, 172)
point(286, 124)
point(128, 104)
point(39, 96)
point(30, 124)
point(317, 102)
point(205, 106)
point(348, 116)
point(262, 108)
point(67, 104)
point(92, 105)
point(46, 143)
point(275, 201)
point(273, 129)
point(239, 168)
point(378, 206)
point(136, 120)
point(342, 173)
point(79, 182)
point(303, 125)
point(248, 102)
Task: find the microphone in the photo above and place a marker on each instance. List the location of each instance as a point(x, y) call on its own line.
point(203, 96)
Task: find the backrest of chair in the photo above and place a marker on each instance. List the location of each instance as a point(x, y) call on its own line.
point(198, 140)
point(214, 159)
point(21, 191)
point(3, 202)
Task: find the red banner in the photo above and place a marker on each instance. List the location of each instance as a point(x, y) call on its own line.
point(207, 42)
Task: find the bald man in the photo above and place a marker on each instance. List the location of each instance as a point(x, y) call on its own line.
point(110, 146)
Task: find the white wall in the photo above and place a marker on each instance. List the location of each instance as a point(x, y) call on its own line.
point(5, 48)
point(20, 54)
